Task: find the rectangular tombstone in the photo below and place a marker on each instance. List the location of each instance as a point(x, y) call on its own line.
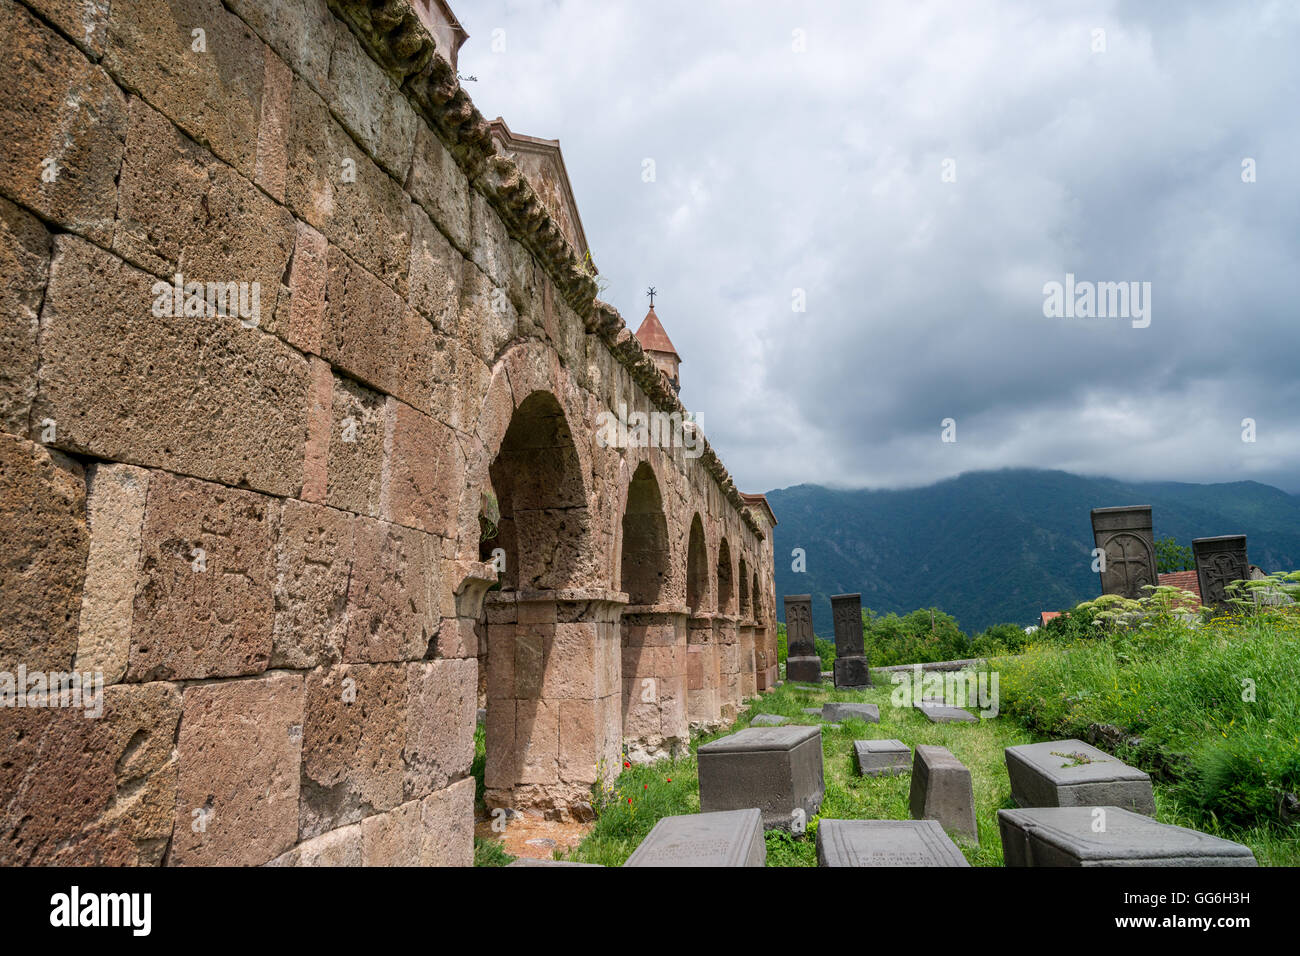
point(729, 838)
point(1219, 562)
point(769, 720)
point(839, 710)
point(885, 843)
point(777, 769)
point(1071, 773)
point(941, 790)
point(850, 668)
point(1125, 536)
point(882, 758)
point(937, 712)
point(1108, 836)
point(802, 664)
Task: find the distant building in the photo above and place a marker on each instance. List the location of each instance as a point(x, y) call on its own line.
point(659, 347)
point(448, 34)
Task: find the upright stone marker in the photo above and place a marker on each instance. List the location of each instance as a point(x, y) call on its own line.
point(941, 790)
point(1219, 562)
point(777, 769)
point(1109, 836)
point(850, 659)
point(885, 843)
point(732, 838)
point(1125, 536)
point(803, 664)
point(1070, 773)
point(882, 758)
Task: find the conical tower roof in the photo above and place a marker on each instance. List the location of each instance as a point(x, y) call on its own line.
point(652, 336)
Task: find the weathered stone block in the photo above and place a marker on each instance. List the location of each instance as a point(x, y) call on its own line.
point(115, 504)
point(204, 602)
point(240, 751)
point(365, 324)
point(425, 474)
point(334, 186)
point(885, 843)
point(308, 281)
point(357, 437)
point(394, 838)
point(937, 712)
point(67, 119)
point(537, 739)
point(442, 700)
point(1071, 773)
point(215, 94)
point(447, 818)
point(370, 107)
point(438, 184)
point(777, 769)
point(851, 673)
point(882, 758)
point(82, 791)
point(941, 790)
point(843, 710)
point(727, 838)
point(302, 33)
point(42, 563)
point(341, 847)
point(435, 273)
point(313, 562)
point(81, 21)
point(24, 267)
point(1108, 836)
point(352, 744)
point(1125, 535)
point(769, 720)
point(206, 397)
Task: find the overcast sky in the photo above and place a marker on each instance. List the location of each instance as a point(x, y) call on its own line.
point(805, 146)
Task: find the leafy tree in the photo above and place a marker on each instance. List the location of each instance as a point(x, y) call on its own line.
point(1172, 556)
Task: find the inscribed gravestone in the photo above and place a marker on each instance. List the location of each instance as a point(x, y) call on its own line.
point(1109, 836)
point(803, 664)
point(1125, 536)
point(885, 843)
point(1219, 562)
point(850, 661)
point(730, 838)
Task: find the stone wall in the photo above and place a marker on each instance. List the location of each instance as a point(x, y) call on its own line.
point(264, 528)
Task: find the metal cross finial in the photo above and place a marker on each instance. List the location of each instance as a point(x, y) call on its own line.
point(651, 292)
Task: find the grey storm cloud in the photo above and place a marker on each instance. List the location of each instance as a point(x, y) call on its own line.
point(802, 147)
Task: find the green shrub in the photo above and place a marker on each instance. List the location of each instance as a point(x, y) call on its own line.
point(826, 651)
point(919, 637)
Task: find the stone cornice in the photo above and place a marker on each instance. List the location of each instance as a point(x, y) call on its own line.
point(393, 36)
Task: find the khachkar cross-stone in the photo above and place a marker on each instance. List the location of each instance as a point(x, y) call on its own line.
point(1219, 562)
point(803, 664)
point(850, 659)
point(1125, 535)
point(651, 292)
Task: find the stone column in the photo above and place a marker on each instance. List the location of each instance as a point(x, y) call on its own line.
point(654, 681)
point(1219, 562)
point(703, 702)
point(727, 639)
point(554, 713)
point(1125, 535)
point(802, 664)
point(748, 665)
point(850, 659)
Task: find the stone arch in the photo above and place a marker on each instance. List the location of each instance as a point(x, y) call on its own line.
point(697, 567)
point(645, 558)
point(726, 580)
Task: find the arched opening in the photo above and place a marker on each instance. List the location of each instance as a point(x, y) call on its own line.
point(697, 567)
point(645, 540)
point(744, 589)
point(536, 513)
point(726, 590)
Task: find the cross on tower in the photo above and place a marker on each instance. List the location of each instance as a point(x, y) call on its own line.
point(651, 292)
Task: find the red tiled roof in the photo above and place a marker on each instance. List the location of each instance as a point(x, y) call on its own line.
point(1045, 616)
point(652, 336)
point(1183, 580)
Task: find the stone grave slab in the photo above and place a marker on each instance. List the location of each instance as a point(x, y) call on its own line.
point(1125, 535)
point(730, 838)
point(1065, 836)
point(813, 711)
point(777, 769)
point(525, 861)
point(882, 758)
point(1071, 773)
point(840, 710)
point(803, 664)
point(885, 843)
point(769, 720)
point(942, 791)
point(850, 668)
point(937, 712)
point(1219, 562)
